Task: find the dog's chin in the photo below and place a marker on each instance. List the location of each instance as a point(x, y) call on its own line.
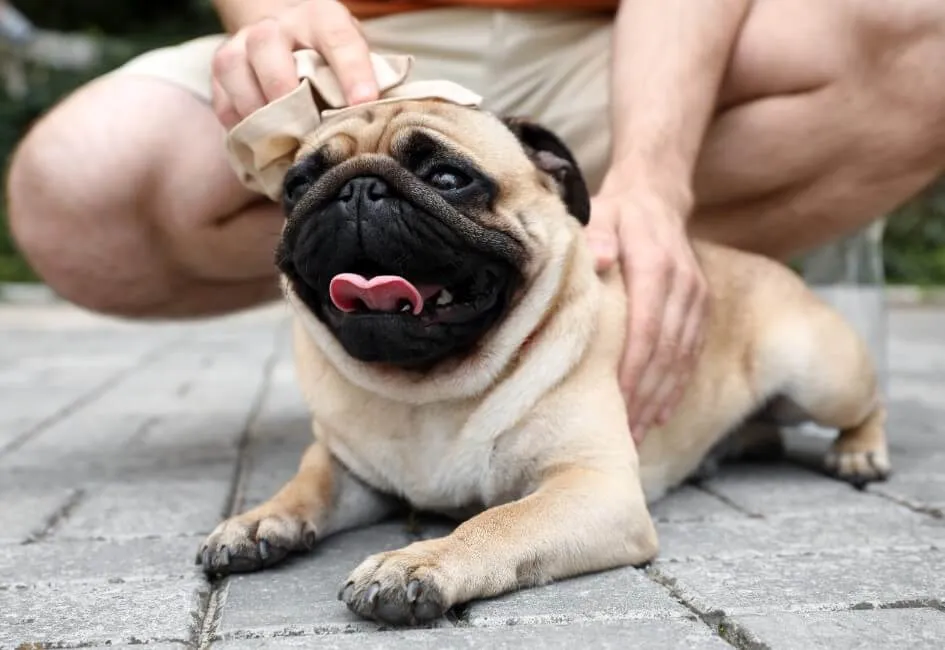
point(456, 314)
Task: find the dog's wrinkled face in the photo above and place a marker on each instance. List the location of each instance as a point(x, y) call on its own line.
point(411, 226)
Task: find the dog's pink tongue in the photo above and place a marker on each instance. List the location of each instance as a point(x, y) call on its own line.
point(381, 293)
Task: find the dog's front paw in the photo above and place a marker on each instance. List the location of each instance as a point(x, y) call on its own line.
point(253, 541)
point(858, 467)
point(405, 587)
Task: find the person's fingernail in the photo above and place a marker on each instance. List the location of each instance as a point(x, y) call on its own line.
point(363, 92)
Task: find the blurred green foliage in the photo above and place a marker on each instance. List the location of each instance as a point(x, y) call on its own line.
point(172, 18)
point(915, 236)
point(914, 245)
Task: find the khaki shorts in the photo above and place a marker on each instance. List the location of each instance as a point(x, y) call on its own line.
point(552, 67)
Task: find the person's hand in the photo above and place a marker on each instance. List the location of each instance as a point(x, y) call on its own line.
point(255, 66)
point(666, 293)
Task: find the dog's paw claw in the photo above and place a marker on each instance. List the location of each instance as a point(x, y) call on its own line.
point(370, 598)
point(242, 544)
point(397, 588)
point(858, 467)
point(413, 591)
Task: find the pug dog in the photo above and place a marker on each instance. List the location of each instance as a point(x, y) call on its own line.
point(459, 354)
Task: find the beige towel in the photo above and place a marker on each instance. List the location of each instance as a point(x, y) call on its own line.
point(262, 146)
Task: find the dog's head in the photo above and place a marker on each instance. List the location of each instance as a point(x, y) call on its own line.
point(414, 227)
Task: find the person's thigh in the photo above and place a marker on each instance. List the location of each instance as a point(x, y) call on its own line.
point(829, 115)
point(550, 66)
point(448, 43)
point(554, 67)
point(830, 118)
point(123, 201)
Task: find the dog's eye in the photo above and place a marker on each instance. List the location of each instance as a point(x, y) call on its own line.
point(447, 178)
point(295, 188)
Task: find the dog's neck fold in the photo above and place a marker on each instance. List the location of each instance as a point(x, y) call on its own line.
point(262, 147)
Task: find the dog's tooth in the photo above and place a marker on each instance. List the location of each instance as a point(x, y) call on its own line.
point(445, 298)
point(405, 307)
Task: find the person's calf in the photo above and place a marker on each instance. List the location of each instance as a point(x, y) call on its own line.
point(123, 202)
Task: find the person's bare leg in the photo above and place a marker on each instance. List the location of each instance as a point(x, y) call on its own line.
point(831, 115)
point(122, 200)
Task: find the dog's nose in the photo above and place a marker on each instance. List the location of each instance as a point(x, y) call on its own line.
point(364, 189)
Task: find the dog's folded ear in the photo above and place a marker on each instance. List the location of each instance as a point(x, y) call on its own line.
point(553, 157)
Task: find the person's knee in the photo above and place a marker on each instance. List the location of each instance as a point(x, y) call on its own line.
point(109, 202)
point(71, 196)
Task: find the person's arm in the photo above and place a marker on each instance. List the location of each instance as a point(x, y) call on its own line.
point(669, 58)
point(236, 14)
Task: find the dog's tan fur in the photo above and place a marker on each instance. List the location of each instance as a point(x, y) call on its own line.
point(528, 435)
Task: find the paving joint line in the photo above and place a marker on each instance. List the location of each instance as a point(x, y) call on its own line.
point(57, 517)
point(742, 637)
point(209, 610)
point(87, 398)
point(929, 511)
point(801, 552)
point(751, 514)
point(712, 619)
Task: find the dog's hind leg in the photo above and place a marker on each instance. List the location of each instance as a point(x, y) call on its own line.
point(322, 498)
point(831, 378)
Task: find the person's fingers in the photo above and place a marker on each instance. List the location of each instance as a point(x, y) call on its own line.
point(222, 106)
point(338, 38)
point(646, 288)
point(231, 70)
point(658, 377)
point(685, 366)
point(674, 356)
point(269, 52)
point(601, 235)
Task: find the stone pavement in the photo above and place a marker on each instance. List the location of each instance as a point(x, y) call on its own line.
point(122, 445)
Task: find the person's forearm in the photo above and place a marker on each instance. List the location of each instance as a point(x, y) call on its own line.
point(669, 58)
point(235, 14)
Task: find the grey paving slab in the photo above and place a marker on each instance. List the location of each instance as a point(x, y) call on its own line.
point(782, 488)
point(915, 629)
point(617, 594)
point(25, 406)
point(96, 614)
point(152, 506)
point(921, 490)
point(137, 646)
point(886, 526)
point(688, 503)
point(609, 635)
point(301, 595)
point(24, 512)
point(281, 435)
point(819, 581)
point(68, 561)
point(151, 457)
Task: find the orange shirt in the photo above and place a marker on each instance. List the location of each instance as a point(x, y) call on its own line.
point(374, 8)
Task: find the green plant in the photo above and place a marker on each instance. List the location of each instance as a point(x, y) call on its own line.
point(914, 244)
